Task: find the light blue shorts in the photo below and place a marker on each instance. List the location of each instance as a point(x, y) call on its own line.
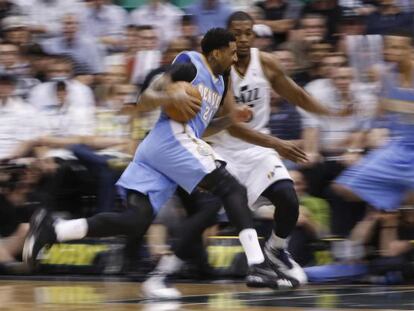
point(383, 177)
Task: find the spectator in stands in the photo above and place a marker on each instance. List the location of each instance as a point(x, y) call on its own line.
point(39, 62)
point(74, 43)
point(109, 144)
point(209, 13)
point(16, 31)
point(105, 22)
point(313, 222)
point(280, 16)
point(14, 111)
point(148, 56)
point(45, 97)
point(333, 143)
point(45, 16)
point(12, 235)
point(8, 8)
point(312, 29)
point(174, 48)
point(11, 60)
point(387, 238)
point(163, 16)
point(330, 10)
point(285, 121)
point(317, 53)
point(329, 64)
point(190, 31)
point(264, 37)
point(113, 75)
point(387, 18)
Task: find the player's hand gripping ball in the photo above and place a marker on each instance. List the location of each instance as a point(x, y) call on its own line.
point(185, 101)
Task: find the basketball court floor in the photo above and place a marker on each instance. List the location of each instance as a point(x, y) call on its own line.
point(19, 295)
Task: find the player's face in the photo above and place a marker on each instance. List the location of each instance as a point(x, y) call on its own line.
point(397, 49)
point(243, 31)
point(228, 57)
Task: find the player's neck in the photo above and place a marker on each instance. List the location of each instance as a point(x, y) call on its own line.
point(212, 67)
point(242, 63)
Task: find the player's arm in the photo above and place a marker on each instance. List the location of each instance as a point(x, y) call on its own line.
point(229, 114)
point(285, 148)
point(164, 92)
point(289, 90)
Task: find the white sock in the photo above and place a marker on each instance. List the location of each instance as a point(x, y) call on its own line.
point(67, 230)
point(250, 242)
point(168, 264)
point(276, 242)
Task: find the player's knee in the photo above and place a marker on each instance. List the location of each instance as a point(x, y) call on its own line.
point(283, 195)
point(139, 214)
point(221, 183)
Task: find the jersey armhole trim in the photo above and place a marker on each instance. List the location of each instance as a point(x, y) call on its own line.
point(185, 53)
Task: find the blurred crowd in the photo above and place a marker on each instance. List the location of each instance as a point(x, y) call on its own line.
point(71, 71)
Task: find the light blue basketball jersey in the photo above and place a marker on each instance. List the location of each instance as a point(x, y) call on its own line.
point(171, 154)
point(400, 105)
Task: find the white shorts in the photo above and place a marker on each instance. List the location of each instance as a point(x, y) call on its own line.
point(256, 168)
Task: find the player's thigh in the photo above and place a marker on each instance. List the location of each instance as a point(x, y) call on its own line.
point(187, 161)
point(377, 179)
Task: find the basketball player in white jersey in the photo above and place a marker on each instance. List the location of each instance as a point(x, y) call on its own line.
point(258, 168)
point(254, 158)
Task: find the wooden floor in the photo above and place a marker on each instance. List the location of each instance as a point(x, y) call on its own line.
point(109, 295)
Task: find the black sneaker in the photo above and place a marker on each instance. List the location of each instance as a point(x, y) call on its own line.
point(41, 234)
point(267, 275)
point(285, 263)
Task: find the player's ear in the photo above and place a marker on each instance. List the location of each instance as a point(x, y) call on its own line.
point(216, 54)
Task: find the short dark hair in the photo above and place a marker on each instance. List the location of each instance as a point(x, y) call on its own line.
point(144, 27)
point(187, 19)
point(216, 38)
point(8, 79)
point(239, 16)
point(399, 32)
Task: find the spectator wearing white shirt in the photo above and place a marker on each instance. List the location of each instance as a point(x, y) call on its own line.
point(163, 16)
point(79, 46)
point(17, 124)
point(13, 62)
point(105, 22)
point(60, 69)
point(45, 16)
point(16, 31)
point(66, 106)
point(332, 143)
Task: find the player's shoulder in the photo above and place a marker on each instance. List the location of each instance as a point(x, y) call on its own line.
point(270, 64)
point(267, 58)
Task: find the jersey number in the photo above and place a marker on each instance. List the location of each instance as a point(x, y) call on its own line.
point(207, 113)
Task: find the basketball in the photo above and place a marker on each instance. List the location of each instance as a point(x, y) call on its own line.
point(171, 111)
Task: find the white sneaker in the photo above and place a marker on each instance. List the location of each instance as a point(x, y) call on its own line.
point(282, 258)
point(155, 287)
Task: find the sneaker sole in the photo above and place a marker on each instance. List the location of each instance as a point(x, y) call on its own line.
point(27, 253)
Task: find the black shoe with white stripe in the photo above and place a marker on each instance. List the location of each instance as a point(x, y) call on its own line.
point(41, 234)
point(266, 274)
point(286, 264)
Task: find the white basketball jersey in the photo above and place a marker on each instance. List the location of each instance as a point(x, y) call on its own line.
point(252, 89)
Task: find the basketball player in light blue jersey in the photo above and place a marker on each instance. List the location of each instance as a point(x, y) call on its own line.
point(384, 176)
point(172, 155)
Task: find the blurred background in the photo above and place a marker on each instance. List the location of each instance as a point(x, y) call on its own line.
point(71, 71)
